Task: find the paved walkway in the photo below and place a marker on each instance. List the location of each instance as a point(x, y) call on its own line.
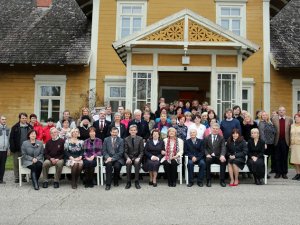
point(275, 203)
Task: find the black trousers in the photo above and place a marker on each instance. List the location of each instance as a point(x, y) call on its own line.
point(257, 167)
point(3, 157)
point(110, 167)
point(137, 166)
point(215, 160)
point(281, 157)
point(36, 168)
point(270, 151)
point(171, 170)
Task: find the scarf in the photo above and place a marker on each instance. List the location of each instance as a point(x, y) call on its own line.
point(168, 148)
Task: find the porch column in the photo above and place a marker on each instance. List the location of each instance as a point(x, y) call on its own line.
point(128, 81)
point(213, 83)
point(154, 83)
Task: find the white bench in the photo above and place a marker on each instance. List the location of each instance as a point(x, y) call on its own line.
point(52, 170)
point(215, 168)
point(123, 170)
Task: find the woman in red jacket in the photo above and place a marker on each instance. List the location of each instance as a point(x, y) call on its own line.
point(36, 126)
point(46, 130)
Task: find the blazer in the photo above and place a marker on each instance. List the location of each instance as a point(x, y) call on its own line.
point(136, 151)
point(288, 123)
point(218, 147)
point(123, 130)
point(116, 153)
point(15, 136)
point(102, 135)
point(154, 150)
point(257, 150)
point(29, 152)
point(143, 129)
point(238, 148)
point(197, 149)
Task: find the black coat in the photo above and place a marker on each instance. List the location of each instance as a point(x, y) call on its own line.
point(194, 150)
point(257, 150)
point(15, 136)
point(104, 133)
point(143, 129)
point(123, 130)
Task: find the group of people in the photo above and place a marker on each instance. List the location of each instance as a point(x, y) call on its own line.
point(148, 140)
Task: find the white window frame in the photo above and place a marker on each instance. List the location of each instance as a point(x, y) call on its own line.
point(295, 89)
point(49, 80)
point(114, 81)
point(248, 84)
point(134, 102)
point(120, 3)
point(241, 4)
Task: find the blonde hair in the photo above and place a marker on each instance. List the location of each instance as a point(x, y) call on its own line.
point(74, 130)
point(251, 119)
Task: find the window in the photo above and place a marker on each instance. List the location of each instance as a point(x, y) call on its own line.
point(131, 17)
point(226, 97)
point(115, 91)
point(49, 96)
point(232, 17)
point(141, 89)
point(247, 95)
point(296, 95)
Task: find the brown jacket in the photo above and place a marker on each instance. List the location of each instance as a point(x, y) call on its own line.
point(288, 123)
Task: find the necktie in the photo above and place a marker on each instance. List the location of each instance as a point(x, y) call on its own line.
point(214, 138)
point(101, 125)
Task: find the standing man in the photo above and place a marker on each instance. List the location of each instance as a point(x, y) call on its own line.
point(102, 126)
point(142, 126)
point(282, 124)
point(229, 123)
point(17, 136)
point(109, 116)
point(54, 156)
point(134, 151)
point(194, 149)
point(215, 151)
point(113, 150)
point(4, 146)
point(121, 111)
point(66, 116)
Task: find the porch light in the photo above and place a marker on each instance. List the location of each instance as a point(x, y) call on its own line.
point(185, 58)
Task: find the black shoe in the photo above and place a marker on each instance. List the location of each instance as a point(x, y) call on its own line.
point(200, 183)
point(250, 176)
point(56, 185)
point(169, 184)
point(17, 181)
point(116, 183)
point(296, 177)
point(137, 185)
point(45, 184)
point(268, 176)
point(154, 184)
point(128, 185)
point(150, 183)
point(174, 184)
point(208, 184)
point(284, 176)
point(107, 188)
point(23, 179)
point(190, 184)
point(277, 176)
point(223, 184)
point(2, 182)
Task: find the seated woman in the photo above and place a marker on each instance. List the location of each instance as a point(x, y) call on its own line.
point(83, 127)
point(256, 148)
point(74, 154)
point(64, 133)
point(92, 148)
point(236, 151)
point(33, 157)
point(163, 125)
point(153, 149)
point(172, 155)
point(181, 128)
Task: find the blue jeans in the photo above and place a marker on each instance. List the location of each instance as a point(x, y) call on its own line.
point(190, 166)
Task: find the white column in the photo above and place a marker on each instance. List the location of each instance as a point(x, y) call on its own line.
point(239, 80)
point(266, 48)
point(129, 85)
point(94, 53)
point(154, 83)
point(213, 82)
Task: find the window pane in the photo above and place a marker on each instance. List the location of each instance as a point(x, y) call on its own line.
point(134, 87)
point(142, 75)
point(125, 22)
point(141, 86)
point(140, 104)
point(225, 23)
point(219, 89)
point(114, 105)
point(225, 11)
point(115, 92)
point(245, 106)
point(226, 76)
point(126, 9)
point(123, 92)
point(46, 91)
point(44, 103)
point(236, 24)
point(235, 11)
point(137, 24)
point(226, 91)
point(55, 91)
point(298, 95)
point(124, 103)
point(125, 32)
point(244, 94)
point(237, 32)
point(149, 89)
point(137, 9)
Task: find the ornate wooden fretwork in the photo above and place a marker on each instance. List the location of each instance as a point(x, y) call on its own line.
point(174, 32)
point(200, 33)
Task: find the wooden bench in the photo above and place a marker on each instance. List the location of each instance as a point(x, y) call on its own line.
point(52, 170)
point(123, 170)
point(215, 168)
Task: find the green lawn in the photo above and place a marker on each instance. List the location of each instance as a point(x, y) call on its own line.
point(9, 163)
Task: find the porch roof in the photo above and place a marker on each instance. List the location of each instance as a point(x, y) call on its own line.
point(185, 28)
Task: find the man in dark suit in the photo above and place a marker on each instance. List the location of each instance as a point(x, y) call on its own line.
point(134, 151)
point(194, 149)
point(142, 126)
point(282, 124)
point(102, 126)
point(215, 151)
point(113, 151)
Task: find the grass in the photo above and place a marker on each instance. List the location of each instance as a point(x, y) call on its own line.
point(9, 163)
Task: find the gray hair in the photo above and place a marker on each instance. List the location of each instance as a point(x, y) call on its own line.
point(117, 114)
point(137, 111)
point(215, 125)
point(133, 126)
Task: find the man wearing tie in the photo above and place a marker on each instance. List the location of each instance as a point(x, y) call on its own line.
point(194, 149)
point(113, 150)
point(142, 125)
point(282, 124)
point(215, 151)
point(101, 126)
point(134, 151)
